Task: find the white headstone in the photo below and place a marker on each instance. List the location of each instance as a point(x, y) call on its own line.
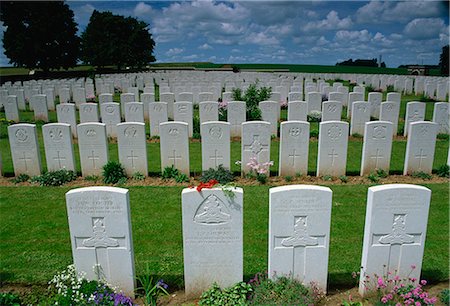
point(21, 99)
point(40, 109)
point(205, 96)
point(377, 147)
point(183, 112)
point(185, 97)
point(353, 97)
point(215, 144)
point(297, 110)
point(390, 111)
point(212, 238)
point(105, 98)
point(174, 144)
point(441, 116)
point(134, 112)
point(64, 95)
point(420, 147)
point(360, 115)
point(79, 96)
point(169, 98)
point(394, 232)
point(110, 113)
point(255, 143)
point(332, 153)
point(393, 97)
point(157, 114)
point(58, 146)
point(294, 147)
point(295, 96)
point(374, 99)
point(100, 233)
point(132, 147)
point(314, 100)
point(209, 111)
point(66, 114)
point(88, 112)
point(299, 233)
point(24, 149)
point(135, 92)
point(93, 147)
point(344, 91)
point(269, 113)
point(415, 111)
point(146, 99)
point(11, 109)
point(236, 115)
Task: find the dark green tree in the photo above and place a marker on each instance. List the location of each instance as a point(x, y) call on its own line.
point(443, 60)
point(40, 34)
point(114, 40)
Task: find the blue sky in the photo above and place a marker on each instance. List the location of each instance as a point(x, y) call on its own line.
point(296, 32)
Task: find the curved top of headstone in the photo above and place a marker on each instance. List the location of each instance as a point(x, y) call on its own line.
point(209, 190)
point(96, 189)
point(299, 187)
point(17, 125)
point(256, 122)
point(48, 125)
point(398, 186)
point(91, 123)
point(173, 122)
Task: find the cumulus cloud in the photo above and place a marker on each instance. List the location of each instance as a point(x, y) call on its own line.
point(424, 28)
point(331, 22)
point(142, 9)
point(174, 51)
point(205, 46)
point(262, 39)
point(353, 36)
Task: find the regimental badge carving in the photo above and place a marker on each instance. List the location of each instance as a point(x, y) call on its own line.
point(174, 132)
point(157, 108)
point(332, 108)
point(91, 133)
point(423, 130)
point(212, 211)
point(56, 134)
point(379, 132)
point(182, 109)
point(300, 237)
point(21, 135)
point(110, 109)
point(334, 132)
point(100, 239)
point(295, 131)
point(398, 234)
point(389, 107)
point(130, 131)
point(216, 132)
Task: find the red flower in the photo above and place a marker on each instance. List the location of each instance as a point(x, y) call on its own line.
point(209, 185)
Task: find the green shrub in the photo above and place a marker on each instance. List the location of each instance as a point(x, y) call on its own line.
point(235, 295)
point(113, 172)
point(373, 177)
point(55, 178)
point(327, 178)
point(443, 171)
point(92, 178)
point(288, 178)
point(443, 136)
point(356, 135)
point(252, 97)
point(422, 175)
point(343, 178)
point(445, 296)
point(21, 178)
point(381, 173)
point(9, 299)
point(222, 175)
point(261, 178)
point(196, 125)
point(170, 172)
point(137, 176)
point(196, 135)
point(283, 291)
point(314, 133)
point(298, 174)
point(181, 178)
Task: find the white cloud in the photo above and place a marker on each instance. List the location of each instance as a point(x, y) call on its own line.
point(205, 46)
point(174, 51)
point(190, 57)
point(353, 36)
point(142, 9)
point(332, 22)
point(425, 28)
point(261, 39)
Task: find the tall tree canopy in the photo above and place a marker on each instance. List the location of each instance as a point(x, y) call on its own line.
point(115, 40)
point(40, 34)
point(443, 60)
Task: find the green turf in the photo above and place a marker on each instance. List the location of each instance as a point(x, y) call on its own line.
point(35, 242)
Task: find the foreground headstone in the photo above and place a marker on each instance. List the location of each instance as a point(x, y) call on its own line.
point(66, 114)
point(294, 147)
point(93, 147)
point(377, 147)
point(236, 112)
point(332, 153)
point(212, 238)
point(415, 111)
point(24, 149)
point(100, 234)
point(215, 144)
point(360, 115)
point(441, 116)
point(299, 233)
point(420, 147)
point(132, 147)
point(255, 143)
point(157, 113)
point(58, 146)
point(174, 144)
point(394, 232)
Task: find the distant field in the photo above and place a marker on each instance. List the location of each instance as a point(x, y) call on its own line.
point(10, 71)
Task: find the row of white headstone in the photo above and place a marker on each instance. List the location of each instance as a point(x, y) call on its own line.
point(256, 141)
point(299, 234)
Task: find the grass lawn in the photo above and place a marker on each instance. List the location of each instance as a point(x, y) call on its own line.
point(35, 242)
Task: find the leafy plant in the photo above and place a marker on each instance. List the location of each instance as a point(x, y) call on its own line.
point(298, 174)
point(137, 176)
point(343, 178)
point(314, 116)
point(283, 291)
point(443, 171)
point(382, 173)
point(92, 178)
point(170, 172)
point(445, 296)
point(422, 175)
point(356, 135)
point(258, 171)
point(288, 178)
point(327, 178)
point(113, 172)
point(222, 175)
point(55, 178)
point(196, 126)
point(196, 135)
point(23, 177)
point(373, 177)
point(443, 136)
point(9, 299)
point(151, 289)
point(252, 96)
point(235, 295)
point(181, 178)
point(314, 133)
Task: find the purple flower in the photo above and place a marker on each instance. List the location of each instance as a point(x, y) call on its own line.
point(162, 284)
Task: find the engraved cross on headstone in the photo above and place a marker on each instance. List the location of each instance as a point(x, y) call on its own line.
point(333, 157)
point(93, 158)
point(395, 240)
point(256, 147)
point(293, 156)
point(174, 158)
point(59, 159)
point(101, 244)
point(377, 157)
point(300, 241)
point(132, 157)
point(25, 158)
point(420, 156)
point(216, 157)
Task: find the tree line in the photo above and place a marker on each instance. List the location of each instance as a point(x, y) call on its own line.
point(43, 35)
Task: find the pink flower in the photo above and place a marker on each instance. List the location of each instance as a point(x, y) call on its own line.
point(418, 304)
point(423, 282)
point(413, 267)
point(381, 283)
point(384, 300)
